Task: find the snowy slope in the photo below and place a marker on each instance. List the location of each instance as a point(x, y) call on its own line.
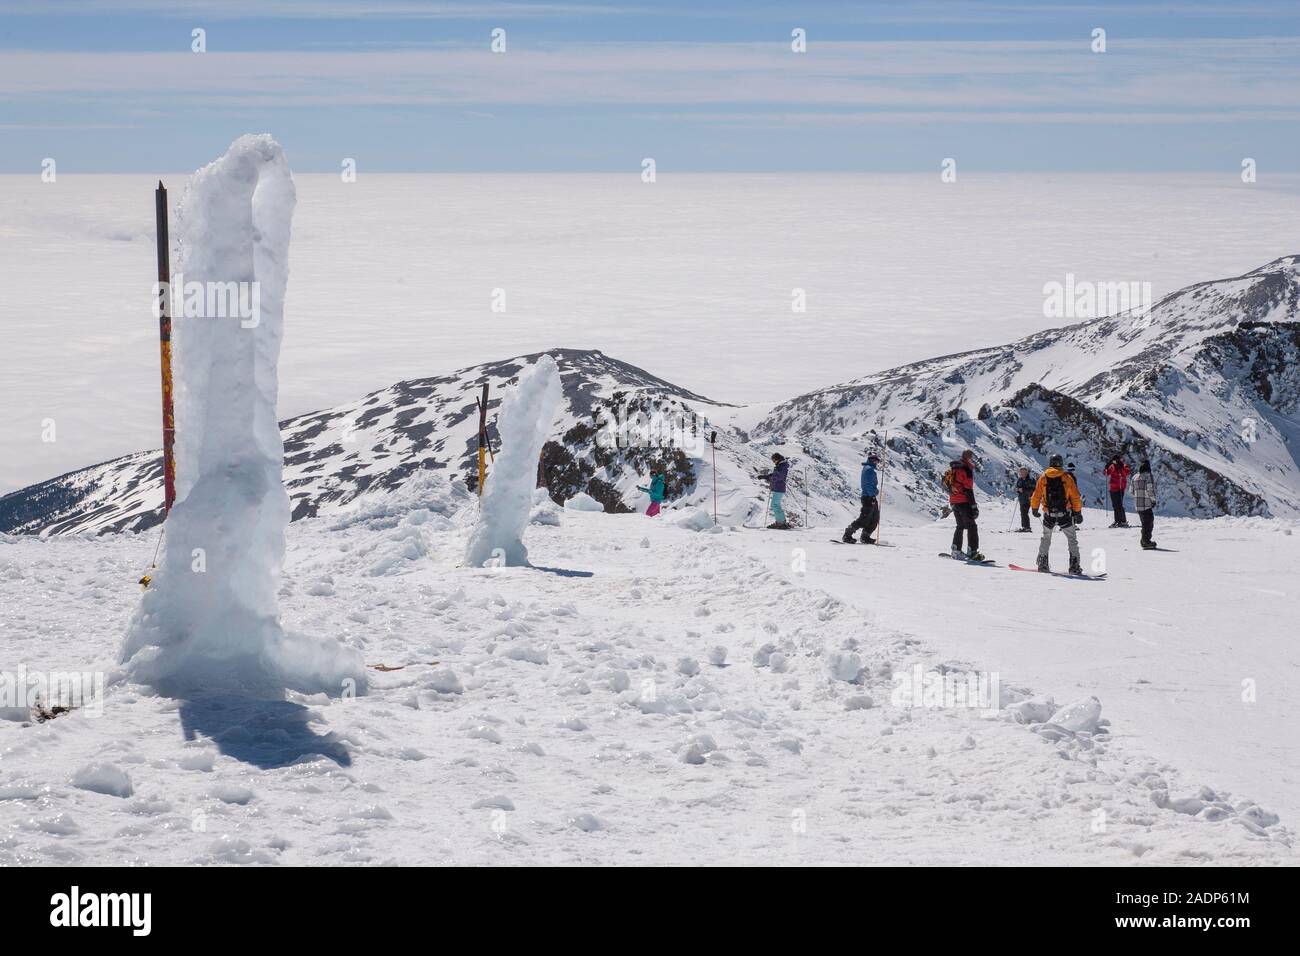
point(645, 694)
point(1181, 382)
point(331, 456)
point(1207, 383)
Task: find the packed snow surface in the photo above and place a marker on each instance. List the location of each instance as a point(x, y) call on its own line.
point(649, 694)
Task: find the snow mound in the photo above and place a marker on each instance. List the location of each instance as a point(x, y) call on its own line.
point(525, 421)
point(103, 778)
point(210, 620)
point(583, 502)
point(696, 519)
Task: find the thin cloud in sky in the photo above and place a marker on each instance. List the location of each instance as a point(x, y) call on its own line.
point(1232, 75)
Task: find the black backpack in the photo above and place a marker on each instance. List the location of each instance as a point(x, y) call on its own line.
point(1056, 501)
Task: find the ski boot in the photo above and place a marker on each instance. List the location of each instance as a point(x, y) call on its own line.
point(847, 537)
point(1075, 567)
point(867, 541)
point(1148, 546)
point(957, 554)
point(1113, 524)
point(1043, 565)
point(973, 555)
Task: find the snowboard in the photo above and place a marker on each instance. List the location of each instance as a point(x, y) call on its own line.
point(1060, 574)
point(987, 562)
point(878, 544)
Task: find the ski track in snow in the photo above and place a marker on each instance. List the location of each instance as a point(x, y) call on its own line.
point(575, 717)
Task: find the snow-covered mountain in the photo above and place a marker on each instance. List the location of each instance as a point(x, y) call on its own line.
point(377, 442)
point(1206, 383)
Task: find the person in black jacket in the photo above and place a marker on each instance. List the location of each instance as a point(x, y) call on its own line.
point(1025, 485)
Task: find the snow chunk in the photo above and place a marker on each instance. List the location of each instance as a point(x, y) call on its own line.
point(525, 422)
point(1079, 717)
point(444, 681)
point(695, 519)
point(233, 793)
point(583, 502)
point(695, 749)
point(104, 778)
point(844, 667)
point(210, 620)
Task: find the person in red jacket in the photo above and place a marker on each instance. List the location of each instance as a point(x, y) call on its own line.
point(960, 482)
point(1117, 473)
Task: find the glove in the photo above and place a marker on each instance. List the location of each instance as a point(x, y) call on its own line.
point(1078, 517)
point(1035, 513)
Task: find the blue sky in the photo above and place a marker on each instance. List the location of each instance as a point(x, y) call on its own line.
point(409, 85)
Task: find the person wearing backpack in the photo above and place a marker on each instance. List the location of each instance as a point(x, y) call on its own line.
point(960, 482)
point(1025, 485)
point(1144, 501)
point(1117, 473)
point(776, 482)
point(1057, 495)
point(658, 481)
point(869, 518)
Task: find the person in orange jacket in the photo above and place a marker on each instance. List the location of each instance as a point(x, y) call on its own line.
point(1057, 495)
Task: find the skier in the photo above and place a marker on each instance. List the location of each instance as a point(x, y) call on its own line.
point(1024, 491)
point(870, 515)
point(1144, 501)
point(960, 482)
point(776, 482)
point(1058, 495)
point(658, 480)
point(1117, 472)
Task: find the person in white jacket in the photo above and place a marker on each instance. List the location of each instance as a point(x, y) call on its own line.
point(1144, 501)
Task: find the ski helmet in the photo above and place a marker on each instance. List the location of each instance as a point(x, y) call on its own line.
point(1055, 461)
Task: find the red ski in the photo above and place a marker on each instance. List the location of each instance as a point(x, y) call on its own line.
point(1060, 574)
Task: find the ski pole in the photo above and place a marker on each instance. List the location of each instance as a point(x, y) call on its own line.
point(805, 496)
point(880, 498)
point(713, 441)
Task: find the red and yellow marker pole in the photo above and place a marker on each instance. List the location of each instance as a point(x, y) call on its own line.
point(165, 349)
point(482, 439)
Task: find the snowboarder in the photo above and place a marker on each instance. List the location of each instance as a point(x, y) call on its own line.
point(1144, 501)
point(960, 482)
point(1025, 484)
point(1117, 472)
point(869, 518)
point(658, 481)
point(1057, 494)
point(776, 482)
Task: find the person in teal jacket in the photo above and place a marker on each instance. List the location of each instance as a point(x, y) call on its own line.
point(656, 492)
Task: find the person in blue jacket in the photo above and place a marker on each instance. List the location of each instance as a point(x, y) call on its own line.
point(869, 517)
point(776, 482)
